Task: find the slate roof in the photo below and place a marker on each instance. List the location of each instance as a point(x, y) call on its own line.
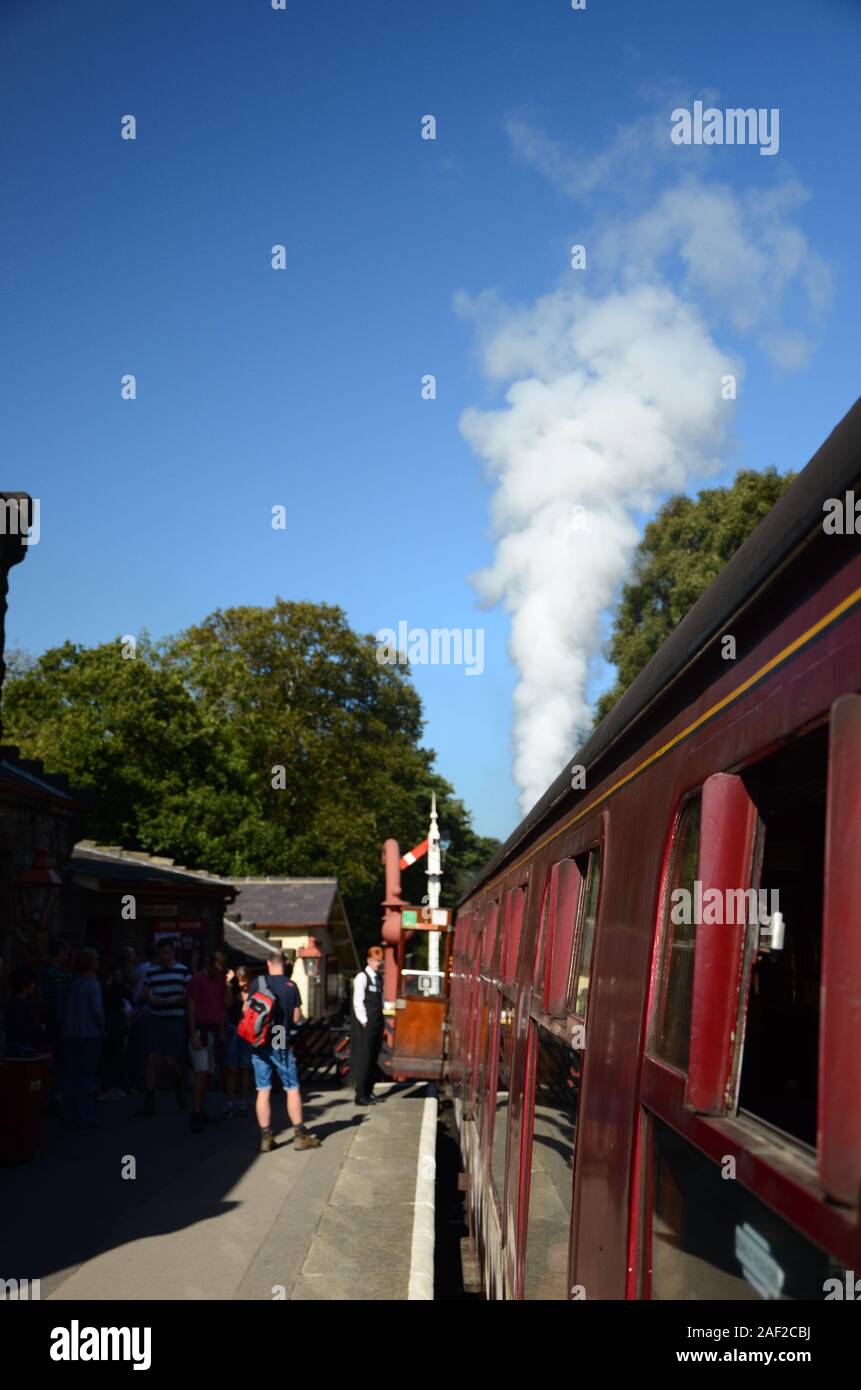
point(27, 775)
point(286, 902)
point(245, 943)
point(112, 865)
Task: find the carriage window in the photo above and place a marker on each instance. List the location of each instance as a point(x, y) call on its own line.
point(676, 981)
point(515, 903)
point(781, 1037)
point(481, 1010)
point(551, 1174)
point(713, 1239)
point(511, 945)
point(542, 945)
point(587, 911)
point(503, 1085)
point(489, 1012)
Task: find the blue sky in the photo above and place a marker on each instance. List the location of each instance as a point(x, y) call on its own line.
point(302, 388)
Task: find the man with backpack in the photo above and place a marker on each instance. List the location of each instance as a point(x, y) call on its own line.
point(274, 1007)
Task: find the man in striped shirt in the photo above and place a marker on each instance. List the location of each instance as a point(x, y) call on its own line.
point(165, 993)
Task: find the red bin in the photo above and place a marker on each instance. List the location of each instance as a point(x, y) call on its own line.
point(22, 1087)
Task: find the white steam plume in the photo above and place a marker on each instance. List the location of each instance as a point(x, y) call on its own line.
point(614, 397)
point(613, 403)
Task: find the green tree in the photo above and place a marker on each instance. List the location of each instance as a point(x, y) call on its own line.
point(260, 741)
point(126, 728)
point(682, 551)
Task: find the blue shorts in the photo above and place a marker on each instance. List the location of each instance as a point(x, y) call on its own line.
point(266, 1059)
point(237, 1052)
point(165, 1036)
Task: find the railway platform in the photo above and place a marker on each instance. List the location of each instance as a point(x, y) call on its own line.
point(206, 1216)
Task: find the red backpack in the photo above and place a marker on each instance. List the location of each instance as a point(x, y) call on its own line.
point(255, 1025)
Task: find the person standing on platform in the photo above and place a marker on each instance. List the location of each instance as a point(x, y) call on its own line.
point(54, 976)
point(237, 1051)
point(82, 1022)
point(366, 1033)
point(24, 1034)
point(277, 1056)
point(165, 993)
point(207, 1006)
point(117, 1008)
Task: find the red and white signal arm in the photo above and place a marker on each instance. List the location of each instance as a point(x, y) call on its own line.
point(413, 855)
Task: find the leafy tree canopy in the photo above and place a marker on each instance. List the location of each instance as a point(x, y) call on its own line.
point(682, 552)
point(261, 741)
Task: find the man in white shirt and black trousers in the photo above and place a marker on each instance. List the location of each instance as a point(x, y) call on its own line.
point(366, 1034)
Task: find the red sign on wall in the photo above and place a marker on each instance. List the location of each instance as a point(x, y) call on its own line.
point(189, 937)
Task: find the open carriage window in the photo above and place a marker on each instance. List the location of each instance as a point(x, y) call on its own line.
point(587, 913)
point(542, 943)
point(779, 1064)
point(672, 1034)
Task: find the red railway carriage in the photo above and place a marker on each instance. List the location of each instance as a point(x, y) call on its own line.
point(656, 1095)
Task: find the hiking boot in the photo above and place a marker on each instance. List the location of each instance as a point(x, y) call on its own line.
point(267, 1141)
point(306, 1141)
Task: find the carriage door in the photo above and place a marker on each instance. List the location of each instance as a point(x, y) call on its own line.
point(557, 1031)
point(510, 1065)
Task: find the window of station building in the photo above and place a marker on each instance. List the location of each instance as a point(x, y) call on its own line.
point(778, 1078)
point(584, 936)
point(551, 1172)
point(672, 1034)
point(713, 1239)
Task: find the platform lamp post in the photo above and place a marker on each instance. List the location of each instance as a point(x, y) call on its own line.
point(38, 890)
